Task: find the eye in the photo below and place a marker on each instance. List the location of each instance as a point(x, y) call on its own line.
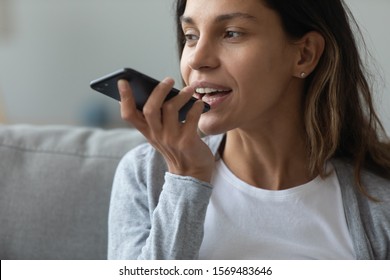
point(190, 39)
point(232, 34)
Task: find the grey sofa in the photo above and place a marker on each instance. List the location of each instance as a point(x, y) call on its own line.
point(55, 184)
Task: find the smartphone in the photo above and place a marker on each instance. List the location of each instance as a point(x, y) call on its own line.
point(142, 86)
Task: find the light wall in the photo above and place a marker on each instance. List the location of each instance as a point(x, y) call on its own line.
point(51, 49)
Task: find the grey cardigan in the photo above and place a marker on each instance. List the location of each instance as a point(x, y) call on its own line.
point(158, 215)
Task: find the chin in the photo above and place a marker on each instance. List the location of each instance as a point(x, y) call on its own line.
point(211, 126)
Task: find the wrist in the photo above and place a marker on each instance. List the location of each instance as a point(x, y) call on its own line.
point(201, 175)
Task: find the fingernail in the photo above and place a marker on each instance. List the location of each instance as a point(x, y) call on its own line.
point(188, 89)
point(123, 85)
point(168, 80)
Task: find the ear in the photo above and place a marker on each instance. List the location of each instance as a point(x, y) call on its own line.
point(310, 49)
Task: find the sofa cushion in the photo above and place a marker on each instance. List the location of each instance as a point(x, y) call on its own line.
point(55, 184)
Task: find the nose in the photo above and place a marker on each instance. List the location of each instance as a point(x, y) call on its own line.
point(204, 56)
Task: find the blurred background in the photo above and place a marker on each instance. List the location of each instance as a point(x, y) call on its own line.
point(51, 49)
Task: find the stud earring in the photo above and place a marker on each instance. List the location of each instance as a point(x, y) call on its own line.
point(303, 75)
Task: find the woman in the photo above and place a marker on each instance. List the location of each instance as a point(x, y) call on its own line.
point(292, 166)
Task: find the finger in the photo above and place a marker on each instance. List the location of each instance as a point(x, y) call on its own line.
point(157, 97)
point(125, 92)
point(153, 106)
point(193, 116)
point(128, 108)
point(172, 107)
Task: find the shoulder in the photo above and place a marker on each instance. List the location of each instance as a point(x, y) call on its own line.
point(375, 185)
point(145, 155)
point(141, 162)
point(368, 219)
point(145, 164)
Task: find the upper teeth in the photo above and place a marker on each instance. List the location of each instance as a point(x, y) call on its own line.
point(207, 90)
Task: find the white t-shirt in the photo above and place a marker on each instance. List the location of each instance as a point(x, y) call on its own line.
point(304, 222)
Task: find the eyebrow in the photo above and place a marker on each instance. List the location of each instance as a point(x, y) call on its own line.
point(221, 18)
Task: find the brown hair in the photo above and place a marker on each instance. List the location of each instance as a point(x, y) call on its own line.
point(340, 119)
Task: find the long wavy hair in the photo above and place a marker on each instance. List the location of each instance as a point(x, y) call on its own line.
point(340, 118)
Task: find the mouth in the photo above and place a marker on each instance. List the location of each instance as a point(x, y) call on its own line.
point(211, 94)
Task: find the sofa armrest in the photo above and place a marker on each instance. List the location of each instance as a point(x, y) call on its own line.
point(55, 185)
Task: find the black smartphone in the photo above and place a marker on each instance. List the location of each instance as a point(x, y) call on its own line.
point(142, 86)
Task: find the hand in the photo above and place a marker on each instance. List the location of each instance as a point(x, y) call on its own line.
point(179, 143)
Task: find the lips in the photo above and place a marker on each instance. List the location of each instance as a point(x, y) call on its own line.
point(212, 94)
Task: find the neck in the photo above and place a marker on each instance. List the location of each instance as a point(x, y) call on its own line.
point(274, 159)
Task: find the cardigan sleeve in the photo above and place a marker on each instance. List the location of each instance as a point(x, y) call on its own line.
point(154, 214)
point(368, 220)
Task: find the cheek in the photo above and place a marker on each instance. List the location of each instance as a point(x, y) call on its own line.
point(262, 68)
point(184, 69)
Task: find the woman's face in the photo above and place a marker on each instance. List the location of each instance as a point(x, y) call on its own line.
point(240, 61)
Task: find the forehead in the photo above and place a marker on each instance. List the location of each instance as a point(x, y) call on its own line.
point(206, 9)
